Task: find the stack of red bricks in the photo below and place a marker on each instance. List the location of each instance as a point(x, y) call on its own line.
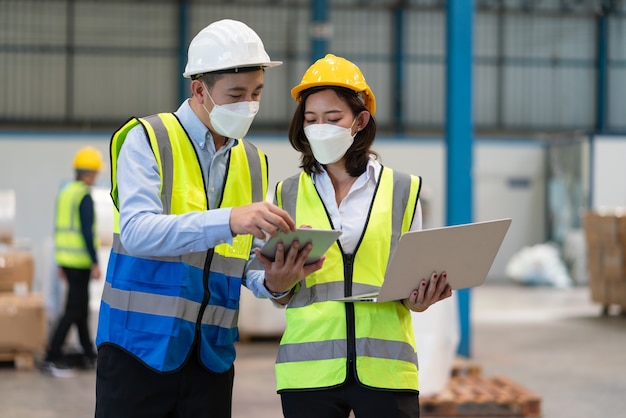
point(605, 236)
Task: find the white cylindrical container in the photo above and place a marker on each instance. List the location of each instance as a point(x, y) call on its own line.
point(103, 206)
point(7, 216)
point(437, 336)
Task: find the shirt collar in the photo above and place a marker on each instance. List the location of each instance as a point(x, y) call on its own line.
point(371, 174)
point(196, 129)
point(373, 169)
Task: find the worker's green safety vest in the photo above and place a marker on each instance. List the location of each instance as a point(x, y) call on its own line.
point(70, 249)
point(324, 337)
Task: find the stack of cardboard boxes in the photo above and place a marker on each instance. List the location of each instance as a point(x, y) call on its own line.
point(605, 235)
point(23, 321)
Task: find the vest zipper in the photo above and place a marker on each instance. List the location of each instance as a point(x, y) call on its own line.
point(348, 263)
point(207, 292)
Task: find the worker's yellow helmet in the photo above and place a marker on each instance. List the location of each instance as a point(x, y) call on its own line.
point(336, 71)
point(88, 158)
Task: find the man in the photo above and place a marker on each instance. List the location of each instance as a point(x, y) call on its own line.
point(76, 256)
point(189, 196)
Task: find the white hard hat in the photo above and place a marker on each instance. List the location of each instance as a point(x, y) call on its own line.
point(224, 45)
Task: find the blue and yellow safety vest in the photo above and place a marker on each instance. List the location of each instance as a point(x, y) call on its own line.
point(324, 339)
point(157, 307)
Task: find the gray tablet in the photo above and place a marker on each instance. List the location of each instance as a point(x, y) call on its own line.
point(322, 239)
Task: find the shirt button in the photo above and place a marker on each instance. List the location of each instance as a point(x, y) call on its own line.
point(212, 189)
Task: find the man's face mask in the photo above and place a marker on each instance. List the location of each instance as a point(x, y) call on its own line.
point(233, 119)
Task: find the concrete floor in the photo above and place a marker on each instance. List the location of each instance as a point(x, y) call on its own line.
point(553, 342)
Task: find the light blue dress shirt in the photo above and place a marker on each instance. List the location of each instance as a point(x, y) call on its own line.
point(145, 230)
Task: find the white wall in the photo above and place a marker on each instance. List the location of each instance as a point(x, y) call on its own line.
point(608, 172)
point(510, 182)
point(35, 165)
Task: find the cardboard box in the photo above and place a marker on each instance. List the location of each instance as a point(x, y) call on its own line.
point(621, 230)
point(6, 235)
point(594, 262)
point(618, 293)
point(23, 322)
point(16, 266)
point(601, 228)
point(612, 262)
point(607, 262)
point(599, 291)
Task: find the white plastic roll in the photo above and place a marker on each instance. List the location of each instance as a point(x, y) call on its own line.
point(437, 336)
point(104, 215)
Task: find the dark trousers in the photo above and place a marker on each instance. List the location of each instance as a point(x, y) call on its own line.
point(76, 313)
point(351, 396)
point(126, 388)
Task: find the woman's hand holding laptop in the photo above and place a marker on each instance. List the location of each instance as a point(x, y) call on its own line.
point(428, 292)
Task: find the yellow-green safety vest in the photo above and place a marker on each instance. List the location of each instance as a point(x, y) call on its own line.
point(325, 339)
point(70, 248)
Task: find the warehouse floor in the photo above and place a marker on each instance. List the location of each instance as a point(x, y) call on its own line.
point(553, 342)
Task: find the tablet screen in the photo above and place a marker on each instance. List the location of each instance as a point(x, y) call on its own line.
point(322, 239)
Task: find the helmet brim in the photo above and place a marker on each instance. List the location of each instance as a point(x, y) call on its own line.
point(264, 65)
point(368, 95)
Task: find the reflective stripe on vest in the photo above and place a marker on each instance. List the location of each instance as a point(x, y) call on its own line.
point(154, 306)
point(70, 249)
point(316, 356)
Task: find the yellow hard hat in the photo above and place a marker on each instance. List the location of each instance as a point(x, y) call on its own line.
point(88, 158)
point(336, 71)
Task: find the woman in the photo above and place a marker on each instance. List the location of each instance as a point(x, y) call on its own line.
point(337, 357)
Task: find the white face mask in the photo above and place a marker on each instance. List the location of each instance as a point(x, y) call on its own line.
point(233, 119)
point(329, 143)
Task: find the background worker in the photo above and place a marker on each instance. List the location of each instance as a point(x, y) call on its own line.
point(190, 195)
point(75, 252)
point(337, 357)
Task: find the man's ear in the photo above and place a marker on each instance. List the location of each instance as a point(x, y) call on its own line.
point(197, 91)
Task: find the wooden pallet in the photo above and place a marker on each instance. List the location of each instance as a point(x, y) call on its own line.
point(465, 367)
point(21, 360)
point(479, 396)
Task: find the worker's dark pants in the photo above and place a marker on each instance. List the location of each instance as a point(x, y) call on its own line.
point(127, 388)
point(76, 312)
point(338, 402)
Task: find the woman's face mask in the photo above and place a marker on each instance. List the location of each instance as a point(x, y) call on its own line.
point(233, 119)
point(329, 143)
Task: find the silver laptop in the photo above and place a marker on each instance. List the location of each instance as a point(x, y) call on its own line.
point(465, 252)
